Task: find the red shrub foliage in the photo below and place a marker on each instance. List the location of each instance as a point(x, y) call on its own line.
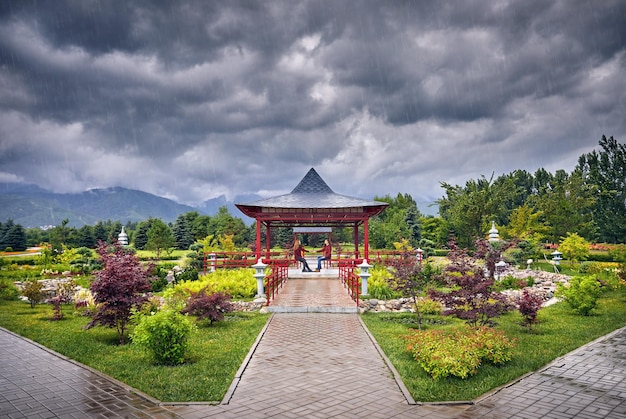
point(208, 306)
point(119, 287)
point(529, 306)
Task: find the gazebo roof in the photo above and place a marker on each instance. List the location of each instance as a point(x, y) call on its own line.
point(312, 201)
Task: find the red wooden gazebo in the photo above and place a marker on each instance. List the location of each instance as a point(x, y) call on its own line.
point(312, 204)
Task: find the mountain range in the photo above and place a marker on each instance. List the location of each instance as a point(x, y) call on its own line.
point(31, 206)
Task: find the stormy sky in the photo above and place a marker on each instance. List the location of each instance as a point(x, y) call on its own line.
point(191, 100)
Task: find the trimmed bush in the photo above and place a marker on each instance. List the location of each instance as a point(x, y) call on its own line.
point(459, 351)
point(8, 290)
point(165, 334)
point(33, 290)
point(581, 294)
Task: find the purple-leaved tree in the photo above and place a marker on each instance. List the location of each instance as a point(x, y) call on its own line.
point(472, 297)
point(119, 287)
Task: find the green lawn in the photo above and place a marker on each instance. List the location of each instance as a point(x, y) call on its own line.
point(559, 331)
point(216, 352)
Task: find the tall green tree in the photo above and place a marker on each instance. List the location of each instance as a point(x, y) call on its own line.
point(469, 210)
point(400, 220)
point(12, 236)
point(86, 237)
point(160, 237)
point(182, 233)
point(223, 223)
point(567, 204)
point(605, 173)
point(141, 235)
point(59, 235)
point(100, 232)
point(197, 224)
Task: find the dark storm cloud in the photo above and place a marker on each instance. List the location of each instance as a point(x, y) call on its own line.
point(203, 98)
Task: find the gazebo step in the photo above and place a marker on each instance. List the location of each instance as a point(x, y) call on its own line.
point(324, 273)
point(338, 310)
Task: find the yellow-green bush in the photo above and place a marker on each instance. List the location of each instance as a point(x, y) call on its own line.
point(460, 351)
point(378, 284)
point(238, 283)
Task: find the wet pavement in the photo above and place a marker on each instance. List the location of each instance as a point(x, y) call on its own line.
point(312, 365)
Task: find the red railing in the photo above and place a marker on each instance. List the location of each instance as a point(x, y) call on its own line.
point(350, 280)
point(389, 257)
point(277, 278)
point(233, 260)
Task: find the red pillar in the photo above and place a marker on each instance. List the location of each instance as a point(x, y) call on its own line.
point(258, 239)
point(356, 240)
point(366, 239)
point(268, 239)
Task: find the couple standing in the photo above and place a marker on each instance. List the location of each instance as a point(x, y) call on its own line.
point(298, 251)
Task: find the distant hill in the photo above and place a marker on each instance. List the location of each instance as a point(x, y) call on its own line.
point(31, 206)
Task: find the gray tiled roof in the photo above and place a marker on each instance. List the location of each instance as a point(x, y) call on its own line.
point(313, 192)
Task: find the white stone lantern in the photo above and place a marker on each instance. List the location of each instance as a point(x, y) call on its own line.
point(500, 267)
point(557, 257)
point(213, 259)
point(420, 255)
point(260, 276)
point(365, 274)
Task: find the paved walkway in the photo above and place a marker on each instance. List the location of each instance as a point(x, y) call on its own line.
point(318, 365)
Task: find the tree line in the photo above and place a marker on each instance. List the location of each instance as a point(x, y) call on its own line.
point(529, 207)
point(589, 201)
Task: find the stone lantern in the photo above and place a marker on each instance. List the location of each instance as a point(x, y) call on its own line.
point(500, 267)
point(557, 257)
point(420, 255)
point(260, 275)
point(365, 274)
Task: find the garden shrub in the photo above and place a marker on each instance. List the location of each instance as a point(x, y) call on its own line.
point(33, 291)
point(119, 288)
point(509, 282)
point(187, 274)
point(529, 306)
point(208, 306)
point(471, 296)
point(426, 305)
point(378, 284)
point(56, 302)
point(84, 303)
point(66, 290)
point(238, 283)
point(459, 351)
point(581, 294)
point(8, 290)
point(165, 334)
